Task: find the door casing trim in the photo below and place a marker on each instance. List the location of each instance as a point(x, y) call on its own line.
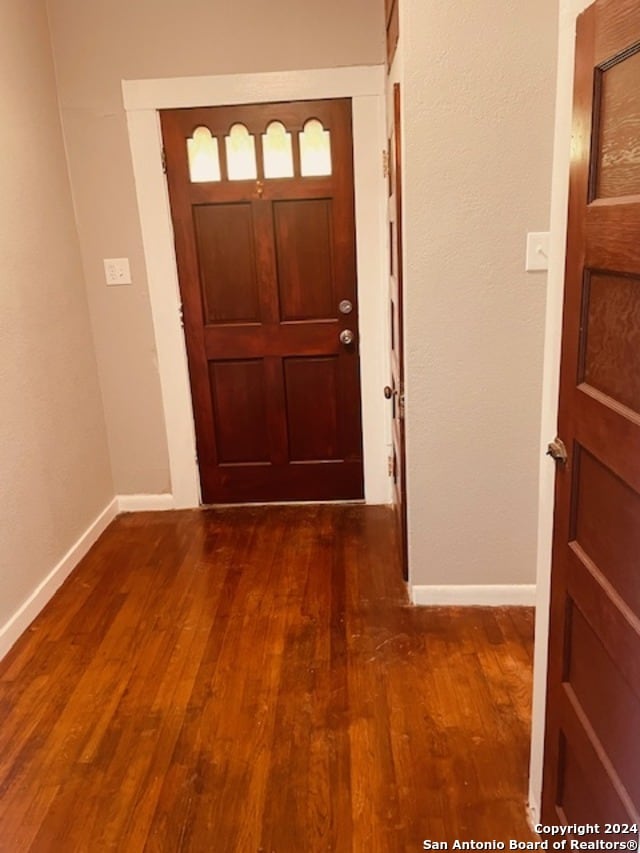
point(568, 12)
point(365, 85)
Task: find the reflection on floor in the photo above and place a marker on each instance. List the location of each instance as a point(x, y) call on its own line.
point(253, 679)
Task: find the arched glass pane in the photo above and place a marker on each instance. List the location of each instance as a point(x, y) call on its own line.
point(277, 150)
point(315, 149)
point(204, 162)
point(241, 154)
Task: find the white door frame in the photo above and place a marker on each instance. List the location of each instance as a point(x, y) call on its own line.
point(568, 11)
point(366, 86)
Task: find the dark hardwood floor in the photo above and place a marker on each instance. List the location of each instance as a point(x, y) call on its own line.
point(252, 680)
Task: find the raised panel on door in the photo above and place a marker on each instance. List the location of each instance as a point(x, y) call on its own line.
point(575, 799)
point(262, 203)
point(226, 259)
point(314, 432)
point(593, 702)
point(611, 349)
point(607, 526)
point(240, 411)
point(611, 709)
point(617, 158)
point(587, 796)
point(304, 253)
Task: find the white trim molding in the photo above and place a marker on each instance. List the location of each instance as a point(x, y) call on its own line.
point(365, 85)
point(43, 593)
point(533, 813)
point(145, 503)
point(468, 595)
point(568, 10)
point(310, 84)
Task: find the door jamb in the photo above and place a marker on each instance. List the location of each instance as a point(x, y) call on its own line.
point(568, 12)
point(365, 85)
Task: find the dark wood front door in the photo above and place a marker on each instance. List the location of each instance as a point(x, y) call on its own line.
point(262, 202)
point(396, 390)
point(592, 758)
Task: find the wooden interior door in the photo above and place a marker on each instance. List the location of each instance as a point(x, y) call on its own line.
point(392, 19)
point(592, 758)
point(262, 201)
point(395, 391)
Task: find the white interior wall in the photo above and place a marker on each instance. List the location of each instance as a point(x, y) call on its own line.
point(55, 477)
point(479, 83)
point(98, 44)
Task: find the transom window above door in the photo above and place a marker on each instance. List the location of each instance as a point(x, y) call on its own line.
point(280, 152)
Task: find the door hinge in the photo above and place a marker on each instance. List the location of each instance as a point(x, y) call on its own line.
point(181, 315)
point(164, 161)
point(401, 404)
point(385, 164)
point(390, 465)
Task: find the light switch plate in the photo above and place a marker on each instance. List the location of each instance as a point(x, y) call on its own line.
point(117, 271)
point(537, 251)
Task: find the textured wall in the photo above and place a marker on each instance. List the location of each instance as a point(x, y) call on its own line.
point(479, 83)
point(54, 470)
point(98, 44)
point(478, 99)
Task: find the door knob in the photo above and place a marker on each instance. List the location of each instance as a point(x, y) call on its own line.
point(345, 307)
point(347, 337)
point(557, 451)
point(388, 392)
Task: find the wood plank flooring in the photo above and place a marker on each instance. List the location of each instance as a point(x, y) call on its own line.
point(253, 679)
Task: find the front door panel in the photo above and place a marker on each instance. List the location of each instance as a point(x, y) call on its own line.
point(263, 210)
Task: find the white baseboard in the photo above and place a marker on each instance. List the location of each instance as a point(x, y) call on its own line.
point(489, 595)
point(142, 503)
point(28, 611)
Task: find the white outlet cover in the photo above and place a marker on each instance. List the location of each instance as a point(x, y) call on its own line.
point(117, 271)
point(537, 251)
